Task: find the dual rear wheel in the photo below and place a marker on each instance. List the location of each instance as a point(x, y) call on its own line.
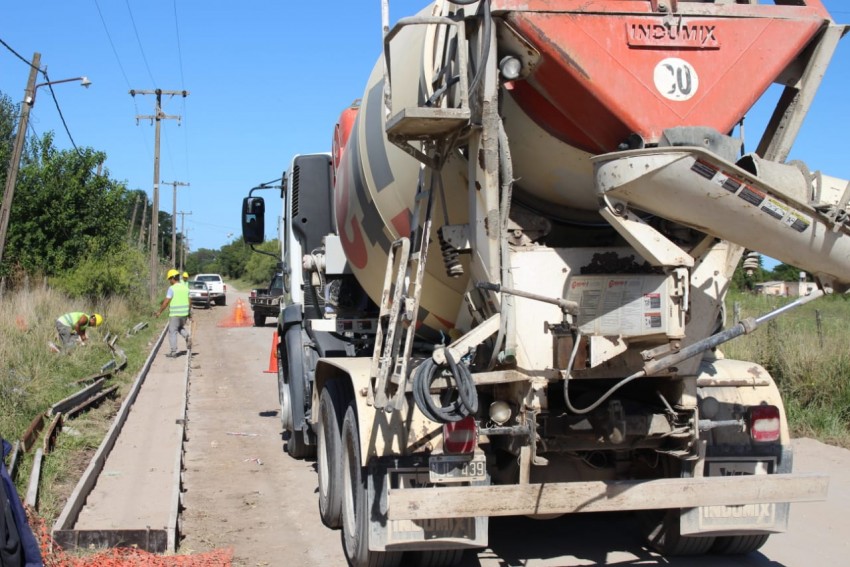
point(343, 488)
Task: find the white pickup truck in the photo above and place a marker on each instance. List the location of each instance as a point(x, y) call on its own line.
point(218, 289)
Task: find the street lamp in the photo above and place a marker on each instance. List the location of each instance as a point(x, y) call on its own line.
point(84, 82)
point(12, 173)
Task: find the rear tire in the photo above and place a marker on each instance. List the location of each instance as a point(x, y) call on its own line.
point(435, 558)
point(738, 545)
point(355, 504)
point(329, 455)
point(662, 531)
point(259, 320)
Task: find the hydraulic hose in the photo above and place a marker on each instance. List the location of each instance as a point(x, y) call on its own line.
point(450, 410)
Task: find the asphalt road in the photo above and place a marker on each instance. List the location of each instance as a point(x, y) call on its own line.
point(244, 492)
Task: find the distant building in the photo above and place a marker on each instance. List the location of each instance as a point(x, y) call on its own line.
point(790, 289)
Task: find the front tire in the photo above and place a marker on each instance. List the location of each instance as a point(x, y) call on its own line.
point(297, 447)
point(329, 455)
point(355, 504)
point(293, 382)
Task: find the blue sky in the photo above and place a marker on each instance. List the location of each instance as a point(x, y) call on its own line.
point(267, 79)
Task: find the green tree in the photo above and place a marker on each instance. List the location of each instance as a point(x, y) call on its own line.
point(63, 210)
point(8, 117)
point(233, 258)
point(201, 261)
point(261, 267)
point(788, 273)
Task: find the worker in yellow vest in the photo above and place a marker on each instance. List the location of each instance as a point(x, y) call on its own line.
point(177, 301)
point(72, 325)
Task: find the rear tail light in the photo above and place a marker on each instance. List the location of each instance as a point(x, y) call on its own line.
point(764, 423)
point(460, 436)
point(225, 287)
point(253, 293)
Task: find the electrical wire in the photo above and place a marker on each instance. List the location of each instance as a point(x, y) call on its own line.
point(112, 44)
point(148, 150)
point(182, 86)
point(139, 40)
point(59, 110)
point(603, 397)
point(18, 55)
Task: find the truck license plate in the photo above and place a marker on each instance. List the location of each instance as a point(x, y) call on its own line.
point(449, 468)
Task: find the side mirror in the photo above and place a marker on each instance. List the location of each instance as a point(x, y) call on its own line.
point(253, 220)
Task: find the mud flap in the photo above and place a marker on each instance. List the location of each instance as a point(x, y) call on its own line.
point(741, 519)
point(427, 534)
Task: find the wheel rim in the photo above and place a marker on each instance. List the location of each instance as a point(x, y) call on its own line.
point(322, 459)
point(285, 407)
point(349, 521)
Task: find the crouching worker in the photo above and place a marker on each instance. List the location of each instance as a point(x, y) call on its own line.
point(177, 301)
point(72, 325)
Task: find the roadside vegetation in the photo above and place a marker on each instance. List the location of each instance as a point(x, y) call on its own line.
point(34, 377)
point(807, 353)
point(78, 240)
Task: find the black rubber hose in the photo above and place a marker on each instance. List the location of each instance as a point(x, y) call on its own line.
point(449, 410)
point(465, 384)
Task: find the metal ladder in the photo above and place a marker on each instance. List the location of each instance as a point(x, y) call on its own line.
point(437, 128)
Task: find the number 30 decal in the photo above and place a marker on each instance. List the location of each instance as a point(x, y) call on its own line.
point(676, 79)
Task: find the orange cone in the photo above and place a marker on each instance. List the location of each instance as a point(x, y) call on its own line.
point(272, 356)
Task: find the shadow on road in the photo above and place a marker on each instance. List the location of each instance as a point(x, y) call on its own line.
point(585, 539)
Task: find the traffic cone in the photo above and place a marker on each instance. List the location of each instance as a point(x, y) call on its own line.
point(272, 356)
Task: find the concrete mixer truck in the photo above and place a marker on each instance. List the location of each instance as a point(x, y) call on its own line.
point(507, 277)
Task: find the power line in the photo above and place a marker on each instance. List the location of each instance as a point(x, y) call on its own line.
point(139, 40)
point(52, 94)
point(112, 44)
point(59, 110)
point(179, 50)
point(16, 54)
point(182, 83)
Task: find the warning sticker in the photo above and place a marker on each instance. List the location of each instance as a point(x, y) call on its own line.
point(774, 208)
point(652, 320)
point(796, 223)
point(732, 185)
point(652, 301)
point(752, 196)
point(705, 169)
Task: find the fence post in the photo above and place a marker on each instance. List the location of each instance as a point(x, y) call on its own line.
point(819, 322)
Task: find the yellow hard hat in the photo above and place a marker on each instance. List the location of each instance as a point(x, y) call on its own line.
point(96, 320)
point(185, 275)
point(172, 274)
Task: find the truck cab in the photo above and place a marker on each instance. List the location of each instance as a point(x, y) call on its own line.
point(314, 306)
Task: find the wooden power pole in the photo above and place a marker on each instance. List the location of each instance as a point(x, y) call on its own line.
point(15, 161)
point(175, 185)
point(183, 238)
point(157, 117)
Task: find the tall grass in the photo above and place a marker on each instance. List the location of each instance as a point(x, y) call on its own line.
point(807, 351)
point(33, 378)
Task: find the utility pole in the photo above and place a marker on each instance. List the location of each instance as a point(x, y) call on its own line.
point(133, 220)
point(157, 117)
point(175, 185)
point(183, 239)
point(144, 220)
point(15, 162)
point(185, 245)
